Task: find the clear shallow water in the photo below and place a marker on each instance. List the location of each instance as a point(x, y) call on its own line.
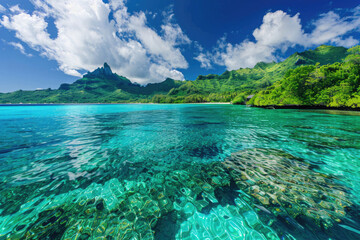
point(158, 171)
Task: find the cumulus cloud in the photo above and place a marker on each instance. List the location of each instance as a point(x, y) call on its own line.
point(278, 32)
point(19, 47)
point(279, 28)
point(86, 38)
point(155, 44)
point(245, 54)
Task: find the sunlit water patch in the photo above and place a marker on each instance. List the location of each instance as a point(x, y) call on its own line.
point(178, 172)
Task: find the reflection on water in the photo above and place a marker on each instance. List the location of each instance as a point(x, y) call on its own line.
point(166, 172)
point(336, 112)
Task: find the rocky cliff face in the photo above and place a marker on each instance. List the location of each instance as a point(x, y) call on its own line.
point(103, 72)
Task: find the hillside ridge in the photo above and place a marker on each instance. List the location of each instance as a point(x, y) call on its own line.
point(104, 86)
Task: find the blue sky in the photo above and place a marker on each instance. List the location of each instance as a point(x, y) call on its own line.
point(44, 43)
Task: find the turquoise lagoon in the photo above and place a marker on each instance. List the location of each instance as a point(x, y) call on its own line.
point(196, 171)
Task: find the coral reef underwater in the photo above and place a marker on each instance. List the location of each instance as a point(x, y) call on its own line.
point(253, 194)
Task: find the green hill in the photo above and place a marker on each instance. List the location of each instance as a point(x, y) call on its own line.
point(99, 86)
point(104, 86)
point(331, 85)
point(236, 85)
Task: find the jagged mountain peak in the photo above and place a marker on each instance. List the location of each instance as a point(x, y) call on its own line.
point(107, 69)
point(103, 72)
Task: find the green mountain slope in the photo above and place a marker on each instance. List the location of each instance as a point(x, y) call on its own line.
point(104, 86)
point(99, 86)
point(236, 85)
point(331, 85)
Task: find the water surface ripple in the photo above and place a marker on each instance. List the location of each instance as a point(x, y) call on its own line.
point(137, 171)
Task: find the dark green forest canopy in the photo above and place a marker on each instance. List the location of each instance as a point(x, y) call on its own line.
point(330, 85)
point(333, 72)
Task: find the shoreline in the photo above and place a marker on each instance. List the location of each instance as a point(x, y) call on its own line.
point(61, 104)
point(306, 107)
point(269, 107)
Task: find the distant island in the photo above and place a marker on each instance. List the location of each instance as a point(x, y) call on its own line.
point(325, 77)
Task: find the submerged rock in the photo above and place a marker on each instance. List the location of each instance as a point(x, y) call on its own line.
point(243, 197)
point(288, 186)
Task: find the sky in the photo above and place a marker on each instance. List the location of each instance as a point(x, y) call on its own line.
point(44, 43)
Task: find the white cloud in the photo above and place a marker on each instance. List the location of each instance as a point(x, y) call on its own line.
point(245, 54)
point(347, 42)
point(86, 38)
point(19, 47)
point(155, 44)
point(205, 60)
point(172, 31)
point(2, 8)
point(278, 32)
point(116, 4)
point(279, 28)
point(174, 35)
point(330, 27)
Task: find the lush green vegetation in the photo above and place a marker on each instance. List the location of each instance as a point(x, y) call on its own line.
point(103, 86)
point(331, 85)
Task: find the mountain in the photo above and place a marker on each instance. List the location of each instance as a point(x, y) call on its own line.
point(104, 86)
point(332, 85)
point(99, 86)
point(236, 85)
point(104, 73)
